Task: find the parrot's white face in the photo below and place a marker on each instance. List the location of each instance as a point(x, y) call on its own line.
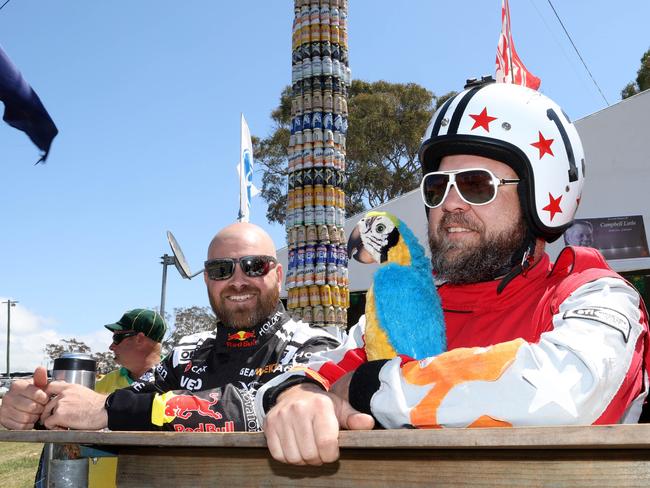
point(374, 233)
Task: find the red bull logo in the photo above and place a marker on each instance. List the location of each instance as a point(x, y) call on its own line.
point(183, 406)
point(241, 338)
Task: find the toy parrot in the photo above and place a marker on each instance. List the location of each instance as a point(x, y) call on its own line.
point(403, 311)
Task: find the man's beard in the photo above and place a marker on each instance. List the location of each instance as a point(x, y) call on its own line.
point(488, 260)
point(245, 319)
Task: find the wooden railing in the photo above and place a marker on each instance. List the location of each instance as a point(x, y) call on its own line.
point(598, 456)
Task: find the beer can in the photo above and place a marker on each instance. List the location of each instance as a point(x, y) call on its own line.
point(297, 176)
point(330, 177)
point(296, 314)
point(307, 195)
point(302, 236)
point(312, 238)
point(314, 32)
point(324, 14)
point(330, 194)
point(308, 215)
point(314, 295)
point(315, 49)
point(305, 101)
point(336, 71)
point(307, 156)
point(319, 177)
point(334, 33)
point(298, 197)
point(340, 217)
point(333, 232)
point(328, 123)
point(330, 215)
point(293, 237)
point(317, 119)
point(316, 66)
point(343, 276)
point(340, 196)
point(338, 124)
point(308, 274)
point(297, 216)
point(330, 316)
point(326, 66)
point(290, 280)
point(318, 155)
point(319, 316)
point(334, 16)
point(305, 33)
point(336, 52)
point(317, 106)
point(325, 295)
point(323, 234)
point(325, 34)
point(336, 298)
point(307, 69)
point(303, 296)
point(319, 195)
point(307, 315)
point(320, 270)
point(297, 124)
point(306, 138)
point(296, 72)
point(306, 121)
point(328, 156)
point(340, 322)
point(319, 214)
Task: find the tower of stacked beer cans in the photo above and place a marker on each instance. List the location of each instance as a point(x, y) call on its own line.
point(317, 276)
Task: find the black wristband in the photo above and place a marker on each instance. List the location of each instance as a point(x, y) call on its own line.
point(272, 394)
point(364, 384)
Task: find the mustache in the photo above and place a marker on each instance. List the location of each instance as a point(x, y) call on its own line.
point(459, 219)
point(230, 289)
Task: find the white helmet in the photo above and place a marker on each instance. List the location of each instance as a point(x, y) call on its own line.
point(523, 129)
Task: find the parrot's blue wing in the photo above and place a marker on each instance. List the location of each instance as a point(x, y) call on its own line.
point(409, 310)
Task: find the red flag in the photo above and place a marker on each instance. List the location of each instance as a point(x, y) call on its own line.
point(509, 68)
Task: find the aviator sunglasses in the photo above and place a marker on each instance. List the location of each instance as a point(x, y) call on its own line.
point(120, 336)
point(476, 186)
point(252, 266)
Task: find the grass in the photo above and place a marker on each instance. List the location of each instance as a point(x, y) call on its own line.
point(18, 463)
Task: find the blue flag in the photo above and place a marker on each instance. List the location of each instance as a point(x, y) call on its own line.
point(23, 108)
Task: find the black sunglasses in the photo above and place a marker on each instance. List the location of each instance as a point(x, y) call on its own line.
point(120, 336)
point(252, 266)
point(476, 186)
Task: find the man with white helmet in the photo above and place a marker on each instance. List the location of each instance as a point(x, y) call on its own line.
point(530, 342)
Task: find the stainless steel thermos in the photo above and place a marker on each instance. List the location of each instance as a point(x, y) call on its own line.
point(75, 367)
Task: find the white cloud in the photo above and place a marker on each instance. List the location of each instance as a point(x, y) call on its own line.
point(31, 332)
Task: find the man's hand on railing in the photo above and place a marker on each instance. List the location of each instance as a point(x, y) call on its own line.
point(25, 401)
point(302, 428)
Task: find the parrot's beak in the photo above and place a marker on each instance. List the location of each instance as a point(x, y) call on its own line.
point(356, 249)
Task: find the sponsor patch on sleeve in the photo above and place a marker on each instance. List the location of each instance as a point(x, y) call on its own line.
point(607, 316)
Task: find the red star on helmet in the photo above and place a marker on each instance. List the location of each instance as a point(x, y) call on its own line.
point(482, 120)
point(544, 145)
point(553, 205)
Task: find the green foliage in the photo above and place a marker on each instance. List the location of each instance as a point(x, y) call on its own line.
point(188, 321)
point(54, 351)
point(386, 123)
point(642, 81)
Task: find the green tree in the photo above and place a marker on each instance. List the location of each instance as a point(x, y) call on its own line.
point(54, 351)
point(386, 123)
point(190, 320)
point(642, 81)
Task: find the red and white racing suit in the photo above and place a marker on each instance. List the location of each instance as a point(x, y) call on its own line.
point(563, 344)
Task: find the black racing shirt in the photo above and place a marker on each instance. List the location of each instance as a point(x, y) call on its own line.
point(209, 380)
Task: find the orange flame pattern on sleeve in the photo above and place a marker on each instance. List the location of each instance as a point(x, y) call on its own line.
point(453, 368)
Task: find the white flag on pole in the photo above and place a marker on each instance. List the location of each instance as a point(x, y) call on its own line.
point(245, 170)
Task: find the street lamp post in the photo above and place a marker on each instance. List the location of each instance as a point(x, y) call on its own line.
point(10, 303)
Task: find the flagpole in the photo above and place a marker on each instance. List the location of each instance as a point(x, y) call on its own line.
point(240, 214)
point(509, 30)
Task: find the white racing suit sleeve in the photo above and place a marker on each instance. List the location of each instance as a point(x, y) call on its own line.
point(588, 369)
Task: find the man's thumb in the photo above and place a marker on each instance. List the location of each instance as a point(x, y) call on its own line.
point(40, 377)
point(352, 419)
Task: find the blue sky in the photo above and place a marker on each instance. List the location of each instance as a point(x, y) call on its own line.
point(147, 95)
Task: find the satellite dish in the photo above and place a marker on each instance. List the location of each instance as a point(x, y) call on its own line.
point(179, 259)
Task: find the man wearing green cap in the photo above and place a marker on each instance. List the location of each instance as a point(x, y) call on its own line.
point(137, 338)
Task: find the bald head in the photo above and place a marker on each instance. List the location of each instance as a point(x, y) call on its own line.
point(239, 236)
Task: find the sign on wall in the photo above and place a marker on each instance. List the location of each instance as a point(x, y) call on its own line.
point(615, 237)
